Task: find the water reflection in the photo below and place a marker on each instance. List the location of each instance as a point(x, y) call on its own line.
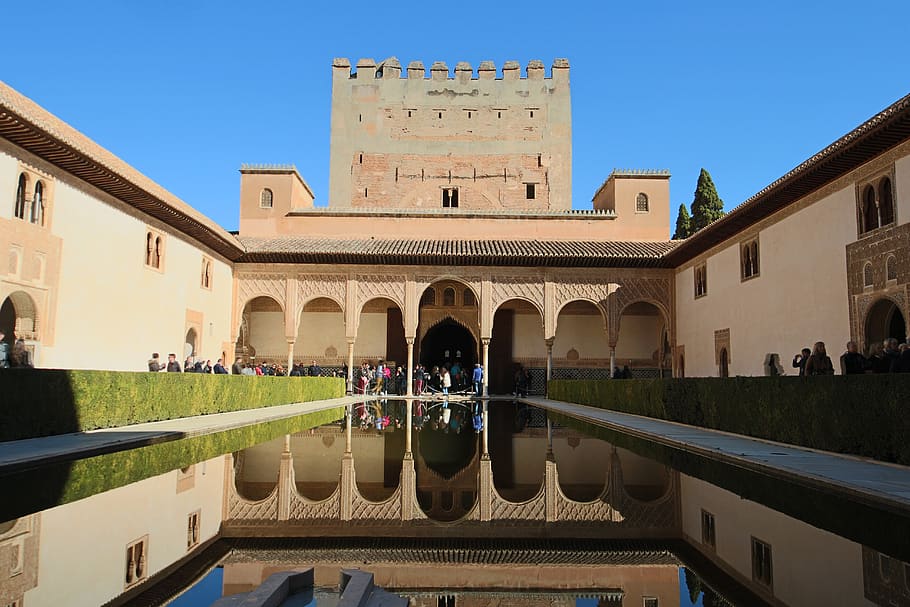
point(461, 462)
point(515, 510)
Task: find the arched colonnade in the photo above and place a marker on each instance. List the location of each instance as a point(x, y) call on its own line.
point(561, 307)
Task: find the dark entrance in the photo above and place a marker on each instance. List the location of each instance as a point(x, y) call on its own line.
point(884, 320)
point(448, 342)
point(8, 320)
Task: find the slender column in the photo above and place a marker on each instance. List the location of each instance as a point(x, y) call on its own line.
point(612, 359)
point(410, 374)
point(409, 424)
point(486, 370)
point(549, 343)
point(350, 378)
point(285, 480)
point(485, 435)
point(347, 431)
point(549, 435)
point(290, 355)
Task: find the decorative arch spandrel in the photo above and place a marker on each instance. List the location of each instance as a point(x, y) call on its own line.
point(654, 291)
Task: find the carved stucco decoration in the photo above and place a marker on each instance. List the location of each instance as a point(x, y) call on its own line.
point(269, 285)
point(655, 291)
point(302, 508)
point(427, 280)
point(534, 509)
point(372, 286)
point(312, 286)
point(528, 289)
point(466, 317)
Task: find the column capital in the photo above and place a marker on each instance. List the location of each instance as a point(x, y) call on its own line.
point(410, 340)
point(549, 342)
point(485, 341)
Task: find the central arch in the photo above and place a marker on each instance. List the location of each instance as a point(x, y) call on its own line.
point(449, 343)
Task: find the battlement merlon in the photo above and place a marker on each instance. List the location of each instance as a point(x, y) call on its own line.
point(390, 69)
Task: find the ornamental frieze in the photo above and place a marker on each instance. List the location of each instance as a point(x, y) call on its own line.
point(268, 285)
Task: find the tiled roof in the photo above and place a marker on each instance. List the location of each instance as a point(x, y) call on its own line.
point(28, 125)
point(456, 252)
point(452, 551)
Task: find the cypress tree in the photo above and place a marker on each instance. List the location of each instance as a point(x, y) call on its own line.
point(707, 205)
point(683, 223)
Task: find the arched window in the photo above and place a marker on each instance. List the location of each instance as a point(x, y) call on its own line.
point(701, 280)
point(870, 211)
point(149, 248)
point(37, 215)
point(448, 297)
point(891, 268)
point(749, 259)
point(885, 202)
point(867, 275)
point(641, 203)
point(20, 196)
point(159, 251)
point(265, 199)
point(469, 299)
point(206, 281)
point(429, 297)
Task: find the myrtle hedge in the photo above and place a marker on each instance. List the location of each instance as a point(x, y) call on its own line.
point(867, 415)
point(46, 402)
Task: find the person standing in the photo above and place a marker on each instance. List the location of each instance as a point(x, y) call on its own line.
point(314, 370)
point(155, 364)
point(852, 362)
point(800, 360)
point(446, 381)
point(478, 380)
point(819, 363)
point(219, 368)
point(172, 365)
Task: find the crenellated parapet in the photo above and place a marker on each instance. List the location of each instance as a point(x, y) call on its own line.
point(390, 69)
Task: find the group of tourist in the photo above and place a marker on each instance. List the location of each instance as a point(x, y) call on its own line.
point(441, 379)
point(890, 356)
point(15, 356)
point(192, 365)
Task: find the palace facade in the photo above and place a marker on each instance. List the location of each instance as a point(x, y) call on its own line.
point(449, 237)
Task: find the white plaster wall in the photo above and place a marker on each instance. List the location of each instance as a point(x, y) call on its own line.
point(371, 334)
point(639, 337)
point(799, 298)
point(314, 461)
point(527, 337)
point(113, 311)
point(82, 556)
point(267, 336)
point(369, 457)
point(584, 333)
point(809, 566)
point(319, 331)
point(9, 182)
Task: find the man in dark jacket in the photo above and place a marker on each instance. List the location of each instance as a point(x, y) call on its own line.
point(219, 368)
point(852, 362)
point(155, 364)
point(172, 365)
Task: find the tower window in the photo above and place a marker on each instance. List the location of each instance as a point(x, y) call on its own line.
point(265, 199)
point(449, 198)
point(136, 559)
point(439, 114)
point(530, 191)
point(641, 203)
point(154, 249)
point(708, 533)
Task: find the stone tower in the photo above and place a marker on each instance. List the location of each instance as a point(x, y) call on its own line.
point(472, 142)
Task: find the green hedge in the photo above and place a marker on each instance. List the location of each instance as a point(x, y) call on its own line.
point(866, 415)
point(45, 402)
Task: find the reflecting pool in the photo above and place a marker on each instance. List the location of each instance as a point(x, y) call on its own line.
point(458, 502)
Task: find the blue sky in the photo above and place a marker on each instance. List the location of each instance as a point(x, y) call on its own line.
point(187, 91)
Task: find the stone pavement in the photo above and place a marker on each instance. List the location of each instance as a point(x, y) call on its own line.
point(32, 452)
point(866, 480)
